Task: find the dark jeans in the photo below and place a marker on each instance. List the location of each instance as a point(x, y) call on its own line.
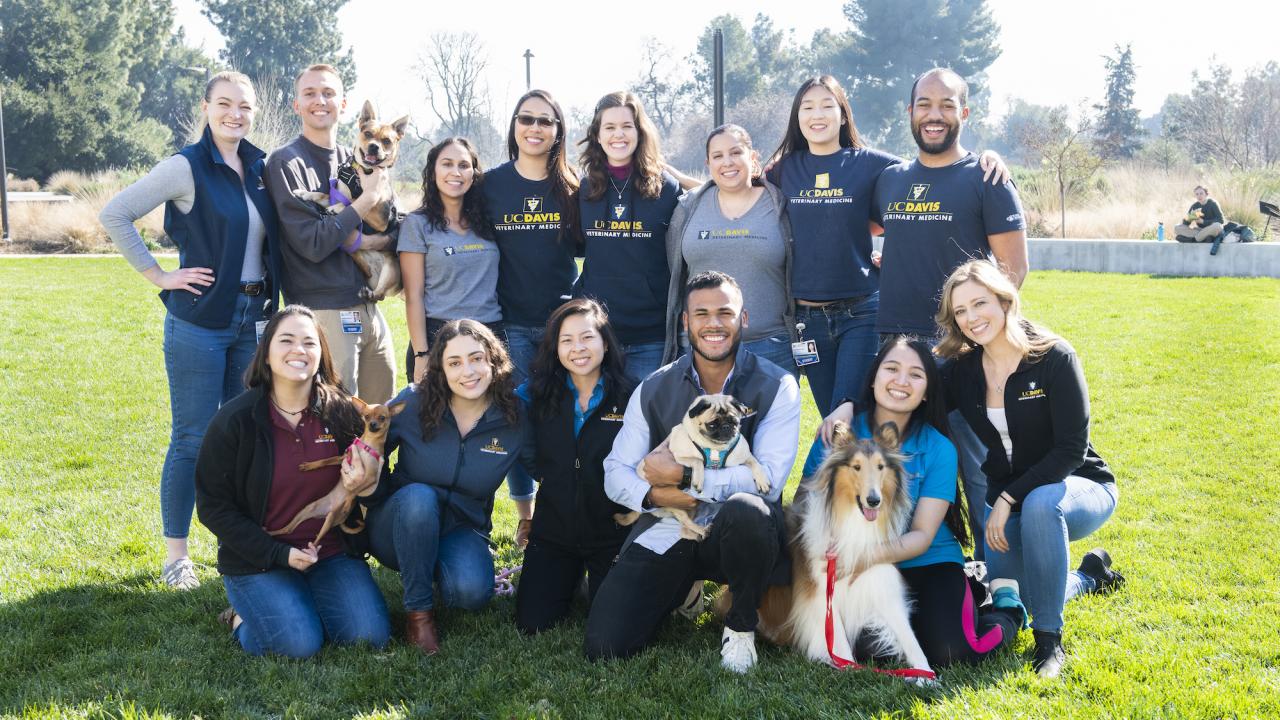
point(644, 587)
point(292, 613)
point(550, 578)
point(845, 332)
point(522, 342)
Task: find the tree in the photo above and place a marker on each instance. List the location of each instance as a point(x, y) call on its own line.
point(279, 38)
point(1221, 121)
point(665, 94)
point(452, 69)
point(1019, 124)
point(890, 43)
point(741, 71)
point(1119, 129)
point(65, 68)
point(1064, 151)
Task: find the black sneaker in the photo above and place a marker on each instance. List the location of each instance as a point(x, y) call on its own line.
point(1049, 657)
point(1096, 565)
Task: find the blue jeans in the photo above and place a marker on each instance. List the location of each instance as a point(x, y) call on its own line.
point(522, 343)
point(404, 534)
point(1051, 517)
point(643, 359)
point(777, 350)
point(845, 332)
point(206, 369)
point(292, 613)
point(971, 452)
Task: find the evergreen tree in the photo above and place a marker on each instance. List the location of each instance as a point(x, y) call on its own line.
point(741, 70)
point(72, 84)
point(273, 40)
point(1119, 130)
point(890, 43)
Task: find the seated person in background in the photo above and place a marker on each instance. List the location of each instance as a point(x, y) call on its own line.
point(1204, 219)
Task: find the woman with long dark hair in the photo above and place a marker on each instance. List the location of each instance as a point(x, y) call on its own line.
point(1022, 390)
point(462, 429)
point(218, 214)
point(577, 397)
point(288, 595)
point(905, 389)
point(448, 257)
point(624, 207)
point(736, 223)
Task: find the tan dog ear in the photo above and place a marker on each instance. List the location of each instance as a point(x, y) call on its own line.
point(400, 126)
point(367, 112)
point(841, 435)
point(888, 436)
point(361, 406)
point(397, 408)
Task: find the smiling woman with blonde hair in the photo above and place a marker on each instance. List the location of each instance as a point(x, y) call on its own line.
point(1022, 390)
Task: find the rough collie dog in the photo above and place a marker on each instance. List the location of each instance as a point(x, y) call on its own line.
point(856, 503)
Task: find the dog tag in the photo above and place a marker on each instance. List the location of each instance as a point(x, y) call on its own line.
point(258, 328)
point(350, 322)
point(804, 352)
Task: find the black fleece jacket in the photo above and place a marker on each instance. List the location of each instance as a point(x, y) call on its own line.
point(233, 482)
point(1046, 403)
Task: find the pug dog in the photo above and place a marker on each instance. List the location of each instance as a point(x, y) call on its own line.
point(709, 436)
point(377, 146)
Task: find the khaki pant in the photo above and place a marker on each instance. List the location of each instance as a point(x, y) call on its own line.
point(365, 358)
point(1204, 234)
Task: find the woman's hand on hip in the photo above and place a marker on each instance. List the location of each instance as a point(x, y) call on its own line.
point(180, 279)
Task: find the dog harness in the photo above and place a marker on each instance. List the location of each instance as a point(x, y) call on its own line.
point(842, 663)
point(715, 459)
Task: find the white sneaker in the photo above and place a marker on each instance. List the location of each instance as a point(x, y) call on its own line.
point(694, 604)
point(738, 650)
point(180, 575)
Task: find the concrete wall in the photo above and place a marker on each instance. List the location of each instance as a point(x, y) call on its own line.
point(1149, 257)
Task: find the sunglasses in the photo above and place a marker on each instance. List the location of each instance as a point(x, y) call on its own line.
point(530, 120)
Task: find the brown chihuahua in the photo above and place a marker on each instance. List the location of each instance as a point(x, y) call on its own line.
point(377, 146)
point(338, 503)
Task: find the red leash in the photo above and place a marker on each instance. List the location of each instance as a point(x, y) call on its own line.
point(841, 663)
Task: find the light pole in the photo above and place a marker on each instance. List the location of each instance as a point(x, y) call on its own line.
point(717, 85)
point(528, 71)
point(4, 181)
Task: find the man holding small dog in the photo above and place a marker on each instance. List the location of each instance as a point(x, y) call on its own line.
point(317, 246)
point(656, 567)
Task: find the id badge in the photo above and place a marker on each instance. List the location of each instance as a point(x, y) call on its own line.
point(805, 352)
point(258, 328)
point(350, 322)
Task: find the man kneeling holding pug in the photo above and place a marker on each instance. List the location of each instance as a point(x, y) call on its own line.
point(655, 569)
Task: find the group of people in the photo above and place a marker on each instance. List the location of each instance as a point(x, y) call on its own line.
point(520, 368)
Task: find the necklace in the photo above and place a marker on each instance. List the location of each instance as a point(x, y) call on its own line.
point(619, 210)
point(994, 370)
point(287, 412)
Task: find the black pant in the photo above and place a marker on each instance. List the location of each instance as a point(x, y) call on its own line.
point(942, 595)
point(550, 578)
point(644, 587)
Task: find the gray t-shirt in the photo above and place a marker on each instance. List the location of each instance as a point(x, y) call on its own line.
point(751, 250)
point(460, 274)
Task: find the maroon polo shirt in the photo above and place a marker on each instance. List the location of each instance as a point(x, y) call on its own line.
point(293, 489)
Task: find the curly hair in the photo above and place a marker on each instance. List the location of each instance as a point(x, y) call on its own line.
point(435, 387)
point(1031, 339)
point(474, 214)
point(647, 158)
point(547, 384)
point(329, 399)
point(794, 140)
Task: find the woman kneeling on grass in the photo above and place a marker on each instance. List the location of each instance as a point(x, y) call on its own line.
point(461, 431)
point(904, 388)
point(1022, 389)
point(288, 594)
point(577, 396)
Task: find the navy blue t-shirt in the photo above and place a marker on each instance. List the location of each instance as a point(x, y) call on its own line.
point(935, 220)
point(535, 266)
point(625, 257)
point(829, 203)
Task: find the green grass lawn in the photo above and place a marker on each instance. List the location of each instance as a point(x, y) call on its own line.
point(1185, 381)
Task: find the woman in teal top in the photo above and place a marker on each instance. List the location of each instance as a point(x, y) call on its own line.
point(905, 389)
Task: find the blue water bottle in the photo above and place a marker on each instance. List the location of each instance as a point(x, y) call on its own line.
point(1160, 232)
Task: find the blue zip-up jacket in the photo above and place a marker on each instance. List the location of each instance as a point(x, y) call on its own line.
point(466, 470)
point(214, 233)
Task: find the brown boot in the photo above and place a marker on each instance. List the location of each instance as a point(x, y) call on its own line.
point(420, 629)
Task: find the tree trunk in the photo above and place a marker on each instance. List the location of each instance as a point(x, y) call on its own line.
point(1062, 194)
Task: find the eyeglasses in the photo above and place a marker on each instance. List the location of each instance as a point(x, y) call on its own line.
point(530, 120)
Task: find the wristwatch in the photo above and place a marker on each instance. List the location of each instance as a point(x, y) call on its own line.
point(686, 478)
